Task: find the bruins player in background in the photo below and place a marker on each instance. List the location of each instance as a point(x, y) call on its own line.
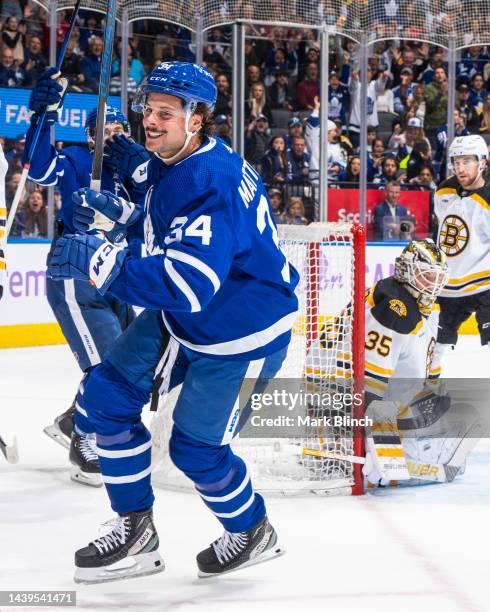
point(462, 207)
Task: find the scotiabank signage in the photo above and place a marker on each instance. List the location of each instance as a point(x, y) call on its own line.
point(343, 205)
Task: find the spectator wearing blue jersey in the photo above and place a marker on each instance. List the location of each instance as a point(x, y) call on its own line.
point(478, 91)
point(91, 64)
point(219, 300)
point(473, 62)
point(295, 130)
point(403, 92)
point(338, 99)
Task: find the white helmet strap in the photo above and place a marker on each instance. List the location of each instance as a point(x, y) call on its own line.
point(189, 111)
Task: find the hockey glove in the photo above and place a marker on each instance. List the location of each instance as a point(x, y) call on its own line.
point(87, 258)
point(47, 96)
point(94, 211)
point(127, 157)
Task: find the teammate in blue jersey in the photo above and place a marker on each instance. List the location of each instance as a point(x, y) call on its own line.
point(90, 321)
point(214, 279)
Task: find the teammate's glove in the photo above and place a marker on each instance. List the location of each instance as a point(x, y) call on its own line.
point(95, 211)
point(47, 96)
point(86, 258)
point(127, 157)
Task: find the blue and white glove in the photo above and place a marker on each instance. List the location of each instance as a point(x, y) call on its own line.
point(93, 212)
point(47, 96)
point(128, 157)
point(87, 258)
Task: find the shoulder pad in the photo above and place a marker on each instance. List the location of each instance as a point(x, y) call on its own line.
point(450, 183)
point(484, 193)
point(394, 307)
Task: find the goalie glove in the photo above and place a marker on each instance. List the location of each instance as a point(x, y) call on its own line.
point(385, 457)
point(47, 96)
point(94, 212)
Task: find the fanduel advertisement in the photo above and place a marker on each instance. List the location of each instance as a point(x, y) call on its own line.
point(14, 113)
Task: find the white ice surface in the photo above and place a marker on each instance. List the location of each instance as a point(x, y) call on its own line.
point(415, 549)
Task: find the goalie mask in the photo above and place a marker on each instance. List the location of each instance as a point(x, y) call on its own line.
point(423, 270)
point(112, 116)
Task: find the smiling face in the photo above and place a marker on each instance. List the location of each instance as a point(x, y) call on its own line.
point(35, 201)
point(164, 123)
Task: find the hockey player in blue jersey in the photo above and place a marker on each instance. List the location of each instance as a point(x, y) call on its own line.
point(216, 279)
point(90, 321)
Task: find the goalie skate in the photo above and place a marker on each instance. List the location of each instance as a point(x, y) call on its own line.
point(83, 456)
point(233, 551)
point(130, 550)
point(60, 431)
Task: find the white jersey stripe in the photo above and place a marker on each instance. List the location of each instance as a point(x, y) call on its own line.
point(128, 452)
point(128, 478)
point(237, 512)
point(225, 498)
point(195, 263)
point(182, 285)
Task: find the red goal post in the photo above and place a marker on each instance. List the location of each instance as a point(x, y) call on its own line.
point(326, 351)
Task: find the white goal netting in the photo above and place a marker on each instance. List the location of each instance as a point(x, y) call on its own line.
point(320, 359)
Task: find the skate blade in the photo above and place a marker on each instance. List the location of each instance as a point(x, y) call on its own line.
point(86, 478)
point(144, 564)
point(55, 433)
point(272, 553)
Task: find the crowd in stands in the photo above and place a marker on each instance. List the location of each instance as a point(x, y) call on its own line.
point(407, 94)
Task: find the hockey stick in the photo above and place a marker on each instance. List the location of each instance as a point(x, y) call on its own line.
point(40, 123)
point(433, 472)
point(10, 453)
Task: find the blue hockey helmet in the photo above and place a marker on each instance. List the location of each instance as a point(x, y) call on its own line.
point(112, 115)
point(192, 83)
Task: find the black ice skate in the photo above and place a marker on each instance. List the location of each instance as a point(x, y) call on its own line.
point(83, 456)
point(234, 551)
point(128, 551)
point(60, 431)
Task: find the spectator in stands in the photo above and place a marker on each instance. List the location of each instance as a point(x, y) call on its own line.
point(485, 121)
point(312, 56)
point(90, 64)
point(387, 214)
point(389, 171)
point(257, 140)
point(413, 133)
point(404, 91)
point(338, 99)
point(71, 67)
point(441, 135)
point(90, 31)
point(9, 75)
point(137, 71)
point(275, 198)
point(223, 128)
point(374, 87)
point(35, 215)
point(419, 157)
point(372, 134)
point(280, 93)
point(14, 38)
point(416, 102)
point(375, 159)
point(467, 108)
point(397, 138)
point(257, 103)
point(14, 155)
point(403, 60)
point(295, 211)
point(275, 164)
point(223, 102)
point(35, 62)
point(477, 91)
point(425, 179)
point(385, 101)
point(436, 96)
point(473, 62)
point(295, 129)
point(252, 53)
point(352, 172)
point(308, 88)
point(252, 77)
point(298, 161)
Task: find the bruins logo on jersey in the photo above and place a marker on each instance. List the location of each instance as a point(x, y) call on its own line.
point(454, 235)
point(399, 307)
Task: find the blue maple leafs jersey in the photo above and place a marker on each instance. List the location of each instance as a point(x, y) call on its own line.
point(69, 170)
point(214, 266)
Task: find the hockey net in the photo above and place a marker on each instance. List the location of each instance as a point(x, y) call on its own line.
point(326, 352)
